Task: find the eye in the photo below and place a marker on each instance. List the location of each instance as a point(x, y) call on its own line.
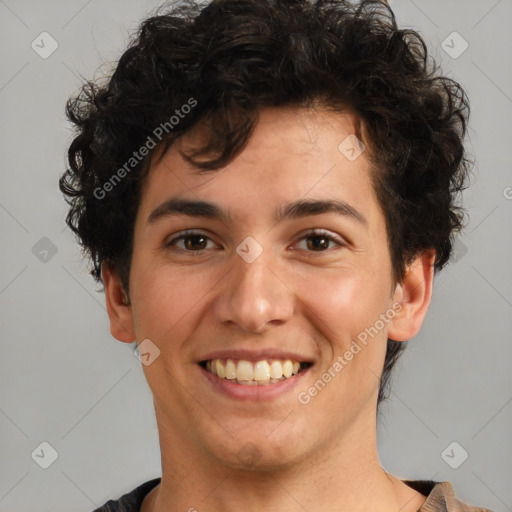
point(320, 240)
point(194, 242)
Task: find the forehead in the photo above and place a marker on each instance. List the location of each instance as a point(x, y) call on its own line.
point(292, 154)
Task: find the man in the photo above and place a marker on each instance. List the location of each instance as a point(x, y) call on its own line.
point(265, 189)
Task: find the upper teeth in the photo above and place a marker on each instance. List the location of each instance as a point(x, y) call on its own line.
point(246, 372)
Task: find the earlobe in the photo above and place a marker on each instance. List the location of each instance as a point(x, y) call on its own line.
point(414, 294)
point(118, 305)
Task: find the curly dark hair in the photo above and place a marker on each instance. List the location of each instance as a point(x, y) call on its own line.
point(229, 59)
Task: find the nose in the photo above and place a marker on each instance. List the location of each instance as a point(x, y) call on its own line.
point(253, 295)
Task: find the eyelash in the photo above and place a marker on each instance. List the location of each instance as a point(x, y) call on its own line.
point(312, 233)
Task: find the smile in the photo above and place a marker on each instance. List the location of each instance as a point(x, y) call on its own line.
point(256, 373)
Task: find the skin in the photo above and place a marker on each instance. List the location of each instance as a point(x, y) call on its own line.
point(294, 296)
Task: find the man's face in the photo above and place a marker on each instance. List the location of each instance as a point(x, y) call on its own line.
point(305, 297)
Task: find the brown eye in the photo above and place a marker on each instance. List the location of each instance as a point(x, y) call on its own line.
point(192, 242)
point(319, 241)
point(195, 242)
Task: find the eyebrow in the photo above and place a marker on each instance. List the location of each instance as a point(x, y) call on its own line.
point(294, 210)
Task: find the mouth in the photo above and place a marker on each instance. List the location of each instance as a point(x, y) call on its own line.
point(254, 373)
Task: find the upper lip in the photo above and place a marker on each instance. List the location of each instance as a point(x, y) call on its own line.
point(255, 355)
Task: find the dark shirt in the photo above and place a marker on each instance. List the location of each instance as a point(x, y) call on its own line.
point(440, 498)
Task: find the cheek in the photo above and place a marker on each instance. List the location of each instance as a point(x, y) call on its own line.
point(344, 308)
point(346, 301)
point(343, 311)
point(163, 299)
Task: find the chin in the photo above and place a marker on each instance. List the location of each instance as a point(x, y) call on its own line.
point(254, 451)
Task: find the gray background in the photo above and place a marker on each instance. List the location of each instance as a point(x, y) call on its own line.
point(66, 381)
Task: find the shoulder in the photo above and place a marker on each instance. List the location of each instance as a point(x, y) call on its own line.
point(131, 501)
point(441, 497)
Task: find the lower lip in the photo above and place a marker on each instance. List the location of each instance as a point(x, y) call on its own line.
point(254, 393)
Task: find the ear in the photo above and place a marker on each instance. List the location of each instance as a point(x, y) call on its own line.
point(414, 294)
point(118, 307)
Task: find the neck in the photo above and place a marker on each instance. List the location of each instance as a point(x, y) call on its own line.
point(345, 477)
